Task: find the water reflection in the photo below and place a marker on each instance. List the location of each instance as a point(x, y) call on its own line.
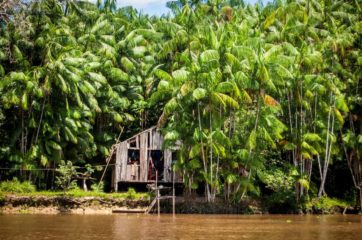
point(208, 227)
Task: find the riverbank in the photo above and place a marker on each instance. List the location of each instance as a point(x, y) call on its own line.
point(80, 202)
point(106, 204)
point(76, 202)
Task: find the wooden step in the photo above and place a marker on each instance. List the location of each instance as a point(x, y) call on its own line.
point(129, 210)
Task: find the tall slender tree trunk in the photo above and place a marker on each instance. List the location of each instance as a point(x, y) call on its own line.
point(329, 143)
point(40, 122)
point(302, 160)
point(22, 133)
point(250, 157)
point(360, 197)
point(211, 158)
point(207, 187)
point(291, 125)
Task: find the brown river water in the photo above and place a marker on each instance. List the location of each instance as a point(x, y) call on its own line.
point(208, 227)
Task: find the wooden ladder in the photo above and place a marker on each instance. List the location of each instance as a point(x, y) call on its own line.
point(155, 188)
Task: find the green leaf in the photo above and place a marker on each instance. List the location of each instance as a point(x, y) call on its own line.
point(170, 106)
point(283, 72)
point(209, 56)
point(118, 75)
point(194, 164)
point(18, 76)
point(360, 138)
point(162, 74)
point(43, 160)
point(244, 52)
point(71, 61)
point(71, 123)
point(225, 87)
point(69, 135)
point(172, 136)
point(312, 137)
point(199, 93)
point(195, 151)
point(304, 182)
point(73, 77)
point(163, 85)
point(268, 138)
point(99, 25)
point(270, 19)
point(54, 145)
point(251, 143)
point(290, 48)
point(232, 60)
point(139, 51)
point(17, 54)
point(224, 100)
point(231, 178)
point(97, 77)
point(76, 114)
point(127, 64)
point(63, 85)
point(33, 152)
point(180, 75)
point(272, 52)
point(24, 101)
point(341, 104)
point(117, 117)
point(338, 115)
point(103, 150)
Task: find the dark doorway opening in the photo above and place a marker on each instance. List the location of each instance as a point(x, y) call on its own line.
point(156, 163)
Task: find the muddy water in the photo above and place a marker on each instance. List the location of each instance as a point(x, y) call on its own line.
point(208, 227)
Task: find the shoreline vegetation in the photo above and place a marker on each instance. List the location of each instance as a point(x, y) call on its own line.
point(80, 202)
point(259, 104)
point(22, 198)
point(70, 203)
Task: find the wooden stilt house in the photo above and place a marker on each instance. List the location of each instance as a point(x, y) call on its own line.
point(140, 159)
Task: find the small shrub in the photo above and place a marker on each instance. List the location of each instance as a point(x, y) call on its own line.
point(326, 205)
point(66, 173)
point(15, 186)
point(98, 187)
point(281, 183)
point(281, 202)
point(131, 194)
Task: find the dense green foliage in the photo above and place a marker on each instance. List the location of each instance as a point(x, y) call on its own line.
point(260, 97)
point(14, 186)
point(66, 172)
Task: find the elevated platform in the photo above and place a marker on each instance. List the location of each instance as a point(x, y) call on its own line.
point(142, 186)
point(129, 211)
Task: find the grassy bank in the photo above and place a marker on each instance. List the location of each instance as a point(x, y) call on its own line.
point(26, 189)
point(74, 202)
point(130, 195)
point(22, 197)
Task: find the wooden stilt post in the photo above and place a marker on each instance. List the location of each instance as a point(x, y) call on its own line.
point(173, 193)
point(158, 195)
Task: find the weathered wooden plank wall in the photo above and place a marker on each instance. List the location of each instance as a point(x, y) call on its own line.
point(156, 140)
point(144, 156)
point(124, 157)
